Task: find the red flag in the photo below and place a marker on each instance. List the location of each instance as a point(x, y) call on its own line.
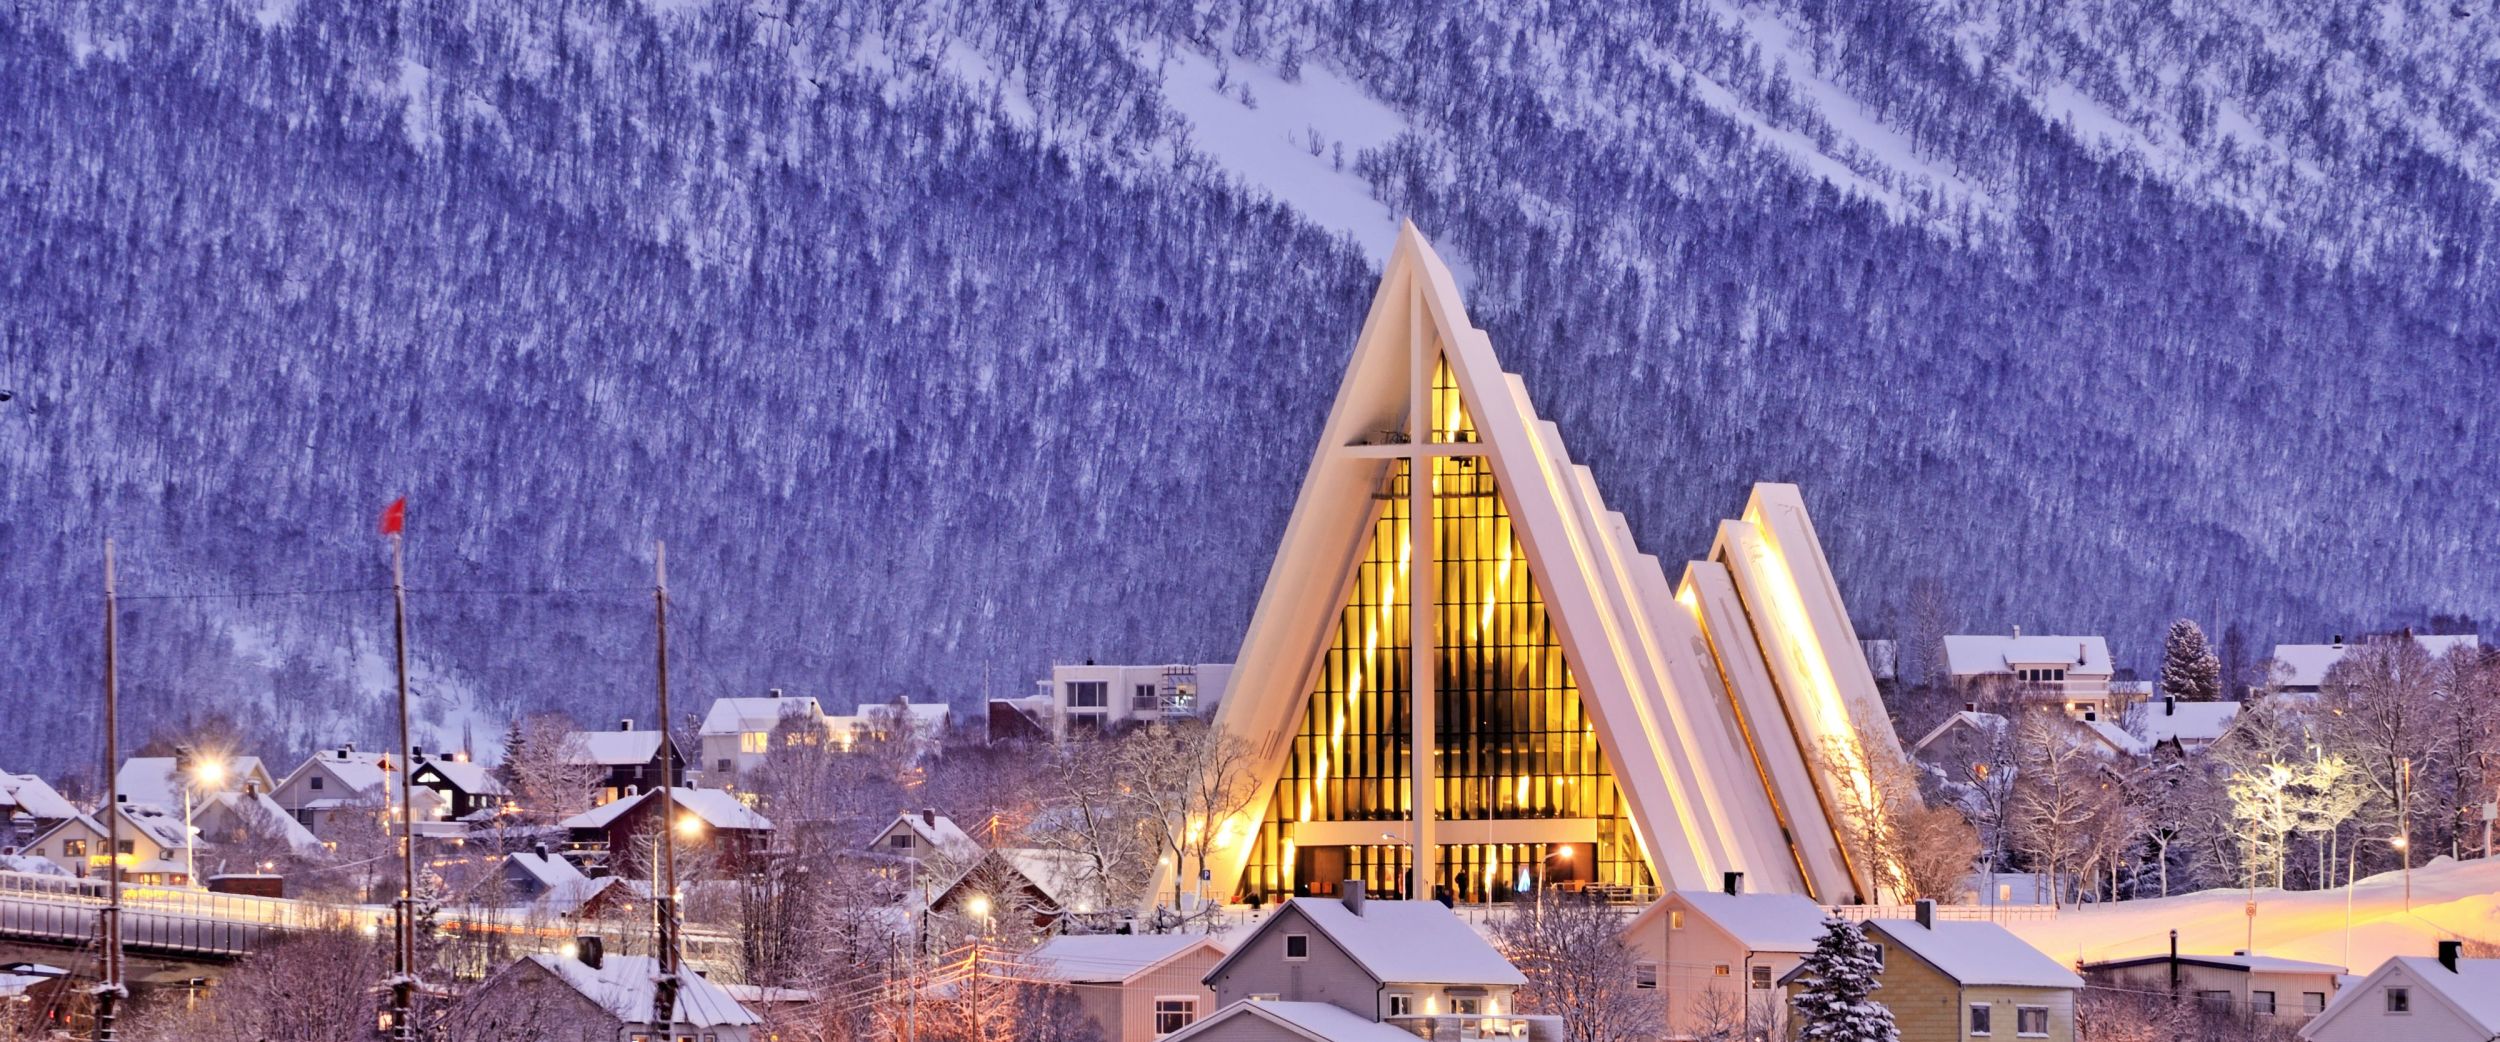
point(393, 515)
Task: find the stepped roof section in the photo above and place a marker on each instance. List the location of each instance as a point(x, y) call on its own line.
point(1990, 654)
point(1648, 662)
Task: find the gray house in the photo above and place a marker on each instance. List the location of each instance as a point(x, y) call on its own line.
point(1407, 966)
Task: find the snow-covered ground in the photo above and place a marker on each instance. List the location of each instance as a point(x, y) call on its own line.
point(1289, 138)
point(2451, 899)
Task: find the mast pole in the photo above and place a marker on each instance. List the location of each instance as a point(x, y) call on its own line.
point(664, 997)
point(109, 991)
point(404, 957)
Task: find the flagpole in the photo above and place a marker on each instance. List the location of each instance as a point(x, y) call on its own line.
point(404, 975)
point(109, 990)
point(664, 996)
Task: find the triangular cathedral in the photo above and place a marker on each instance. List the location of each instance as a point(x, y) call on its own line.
point(1588, 724)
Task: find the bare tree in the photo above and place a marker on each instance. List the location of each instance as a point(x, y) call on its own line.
point(315, 987)
point(1085, 812)
point(2058, 790)
point(1913, 850)
point(1188, 780)
point(551, 773)
point(1572, 952)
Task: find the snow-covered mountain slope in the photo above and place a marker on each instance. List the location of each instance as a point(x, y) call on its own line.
point(945, 340)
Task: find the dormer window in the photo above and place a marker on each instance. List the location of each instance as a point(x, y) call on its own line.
point(1297, 947)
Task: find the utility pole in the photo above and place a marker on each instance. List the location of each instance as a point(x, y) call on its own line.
point(2404, 822)
point(664, 995)
point(109, 990)
point(404, 958)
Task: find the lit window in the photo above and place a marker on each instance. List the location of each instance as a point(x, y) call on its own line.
point(2399, 1000)
point(1645, 976)
point(1982, 1018)
point(1675, 918)
point(1175, 1013)
point(1297, 946)
point(2031, 1021)
point(1721, 970)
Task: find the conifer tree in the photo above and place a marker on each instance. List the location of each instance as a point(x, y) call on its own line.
point(1835, 1004)
point(2189, 670)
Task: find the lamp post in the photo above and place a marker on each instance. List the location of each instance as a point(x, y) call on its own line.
point(2352, 861)
point(203, 772)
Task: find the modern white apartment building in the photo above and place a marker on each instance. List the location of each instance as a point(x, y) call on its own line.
point(1093, 697)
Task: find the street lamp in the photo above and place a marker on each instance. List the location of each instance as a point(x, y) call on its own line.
point(2352, 861)
point(203, 772)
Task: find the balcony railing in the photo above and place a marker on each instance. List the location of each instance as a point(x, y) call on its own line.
point(1461, 1027)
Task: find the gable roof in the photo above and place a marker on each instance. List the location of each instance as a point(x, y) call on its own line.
point(548, 870)
point(1989, 654)
point(717, 807)
point(1314, 1021)
point(465, 776)
point(297, 837)
point(361, 772)
point(624, 986)
point(162, 827)
point(2188, 722)
point(1759, 922)
point(35, 797)
point(2473, 991)
point(612, 748)
point(1977, 953)
point(1111, 958)
point(737, 715)
point(2242, 963)
point(2307, 664)
point(948, 837)
point(1398, 942)
point(1967, 718)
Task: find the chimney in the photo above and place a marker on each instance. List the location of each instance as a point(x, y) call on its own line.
point(121, 797)
point(776, 692)
point(592, 952)
point(1970, 707)
point(416, 753)
point(2448, 952)
point(2169, 705)
point(2018, 633)
point(2339, 640)
point(1733, 883)
point(1927, 913)
point(539, 849)
point(2083, 653)
point(626, 724)
point(928, 816)
point(1351, 892)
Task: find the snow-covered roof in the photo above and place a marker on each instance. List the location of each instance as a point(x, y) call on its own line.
point(2245, 963)
point(1315, 1021)
point(2189, 722)
point(549, 870)
point(2308, 663)
point(298, 838)
point(568, 897)
point(30, 864)
point(612, 748)
point(153, 779)
point(1758, 922)
point(1970, 718)
point(468, 777)
point(738, 715)
point(1406, 942)
point(942, 833)
point(717, 807)
point(162, 827)
point(33, 796)
point(1978, 953)
point(2116, 737)
point(1987, 654)
point(2473, 989)
point(359, 771)
point(1099, 958)
point(1066, 878)
point(624, 986)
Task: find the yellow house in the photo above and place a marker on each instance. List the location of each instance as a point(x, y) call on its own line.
point(1953, 981)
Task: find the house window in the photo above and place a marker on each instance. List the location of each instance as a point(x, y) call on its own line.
point(1148, 699)
point(2313, 1002)
point(1880, 953)
point(316, 783)
point(2261, 1003)
point(1645, 976)
point(2399, 1000)
point(1401, 1004)
point(1264, 996)
point(127, 847)
point(2031, 1021)
point(900, 842)
point(1721, 970)
point(1297, 946)
point(721, 765)
point(1675, 918)
point(1762, 978)
point(2214, 1001)
point(754, 741)
point(1089, 694)
point(1466, 1007)
point(1173, 1013)
point(73, 848)
point(1982, 1018)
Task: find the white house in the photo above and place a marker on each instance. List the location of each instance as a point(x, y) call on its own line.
point(2070, 672)
point(2443, 999)
point(2191, 726)
point(335, 780)
point(1713, 956)
point(159, 780)
point(926, 837)
point(2301, 668)
point(1098, 698)
point(737, 733)
point(2282, 991)
point(29, 806)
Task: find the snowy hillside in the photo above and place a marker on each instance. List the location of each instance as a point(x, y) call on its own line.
point(947, 340)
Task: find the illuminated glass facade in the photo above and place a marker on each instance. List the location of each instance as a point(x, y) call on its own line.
point(1512, 741)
